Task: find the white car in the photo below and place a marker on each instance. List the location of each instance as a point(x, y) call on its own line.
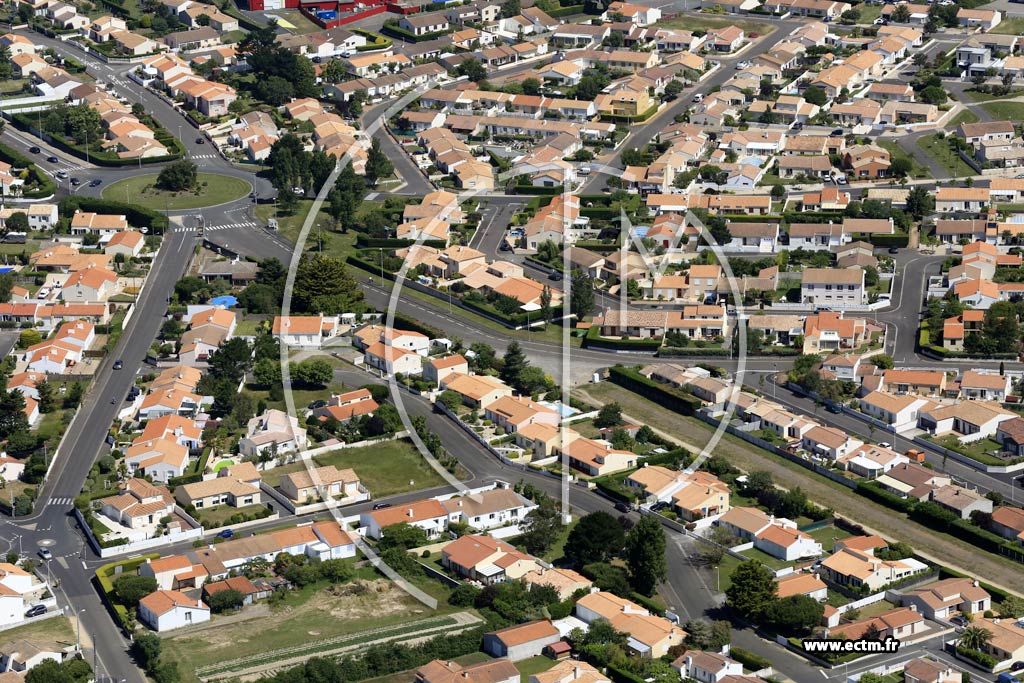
point(698, 97)
point(742, 65)
point(885, 444)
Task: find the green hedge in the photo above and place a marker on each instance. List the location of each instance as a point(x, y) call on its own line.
point(664, 395)
point(402, 34)
point(137, 216)
point(692, 351)
point(595, 340)
point(899, 239)
point(748, 659)
point(365, 242)
point(46, 185)
point(105, 577)
point(982, 659)
point(651, 605)
point(534, 189)
point(872, 491)
point(375, 41)
point(566, 11)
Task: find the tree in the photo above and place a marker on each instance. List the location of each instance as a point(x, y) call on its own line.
point(450, 399)
point(718, 228)
point(313, 372)
point(130, 588)
point(933, 94)
point(1011, 608)
point(545, 304)
point(12, 414)
point(146, 650)
point(17, 222)
point(610, 415)
point(540, 529)
point(6, 66)
point(267, 372)
point(975, 637)
point(900, 15)
point(377, 164)
point(645, 555)
point(673, 88)
point(883, 361)
point(47, 396)
point(901, 167)
point(531, 86)
point(816, 95)
point(179, 176)
point(597, 537)
point(778, 192)
point(582, 300)
point(920, 201)
point(510, 8)
point(719, 539)
point(28, 338)
point(752, 590)
point(225, 600)
point(514, 364)
point(402, 535)
point(48, 671)
point(796, 614)
point(324, 285)
point(231, 360)
point(473, 70)
point(712, 636)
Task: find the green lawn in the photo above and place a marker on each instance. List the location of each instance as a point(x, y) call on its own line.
point(875, 608)
point(1010, 111)
point(55, 629)
point(1010, 25)
point(294, 21)
point(966, 116)
point(897, 152)
point(868, 13)
point(725, 569)
point(977, 96)
point(219, 515)
point(703, 22)
point(766, 559)
point(556, 552)
point(386, 469)
point(533, 665)
point(214, 189)
point(939, 150)
point(977, 450)
point(247, 328)
point(827, 536)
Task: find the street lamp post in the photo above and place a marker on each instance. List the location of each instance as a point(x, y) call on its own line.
point(78, 635)
point(380, 250)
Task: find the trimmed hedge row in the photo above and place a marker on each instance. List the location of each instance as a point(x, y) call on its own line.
point(595, 340)
point(365, 242)
point(899, 239)
point(692, 351)
point(566, 11)
point(105, 577)
point(46, 185)
point(748, 659)
point(666, 396)
point(871, 490)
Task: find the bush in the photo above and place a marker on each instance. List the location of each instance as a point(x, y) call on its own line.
point(749, 659)
point(982, 659)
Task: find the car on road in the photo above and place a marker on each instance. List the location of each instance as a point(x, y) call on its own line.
point(555, 277)
point(95, 183)
point(53, 160)
point(742, 65)
point(34, 150)
point(227, 533)
point(200, 141)
point(76, 182)
point(894, 250)
point(62, 174)
point(505, 247)
point(838, 131)
point(833, 407)
point(698, 97)
point(381, 506)
point(45, 554)
point(36, 611)
point(623, 507)
point(320, 403)
point(885, 444)
point(118, 364)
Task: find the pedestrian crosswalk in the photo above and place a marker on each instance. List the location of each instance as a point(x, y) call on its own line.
point(204, 156)
point(61, 501)
point(214, 228)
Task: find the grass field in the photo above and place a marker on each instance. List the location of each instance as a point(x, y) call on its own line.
point(533, 665)
point(939, 150)
point(827, 536)
point(141, 189)
point(312, 613)
point(385, 469)
point(897, 152)
point(1010, 25)
point(1012, 111)
point(868, 13)
point(55, 629)
point(966, 116)
point(219, 515)
point(693, 22)
point(977, 96)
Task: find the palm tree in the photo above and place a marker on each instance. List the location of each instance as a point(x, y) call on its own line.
point(975, 637)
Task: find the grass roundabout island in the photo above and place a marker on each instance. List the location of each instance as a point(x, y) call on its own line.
point(208, 189)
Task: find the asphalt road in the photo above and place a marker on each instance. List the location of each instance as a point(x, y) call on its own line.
point(416, 182)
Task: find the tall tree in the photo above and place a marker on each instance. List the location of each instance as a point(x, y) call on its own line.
point(541, 527)
point(752, 589)
point(514, 364)
point(545, 304)
point(597, 537)
point(582, 299)
point(645, 555)
point(231, 360)
point(378, 166)
point(324, 285)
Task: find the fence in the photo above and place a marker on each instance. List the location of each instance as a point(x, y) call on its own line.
point(31, 620)
point(136, 546)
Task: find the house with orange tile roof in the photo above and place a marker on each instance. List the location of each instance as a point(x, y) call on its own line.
point(595, 458)
point(522, 641)
point(89, 285)
point(348, 406)
point(490, 671)
point(436, 370)
point(323, 483)
point(176, 401)
point(961, 199)
point(650, 636)
point(392, 360)
point(801, 583)
point(175, 428)
point(486, 559)
point(160, 459)
point(84, 222)
point(512, 413)
point(236, 486)
point(174, 572)
point(701, 496)
point(52, 357)
point(899, 623)
point(831, 331)
point(274, 430)
point(165, 610)
point(945, 598)
point(138, 505)
point(128, 243)
point(565, 581)
point(304, 331)
point(849, 567)
point(428, 515)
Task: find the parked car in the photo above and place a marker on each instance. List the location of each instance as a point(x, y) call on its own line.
point(698, 97)
point(320, 403)
point(833, 407)
point(381, 506)
point(894, 250)
point(623, 507)
point(226, 533)
point(885, 444)
point(555, 277)
point(36, 611)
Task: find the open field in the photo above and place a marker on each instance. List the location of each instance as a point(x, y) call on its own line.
point(141, 189)
point(1012, 111)
point(692, 22)
point(55, 629)
point(533, 665)
point(939, 150)
point(896, 152)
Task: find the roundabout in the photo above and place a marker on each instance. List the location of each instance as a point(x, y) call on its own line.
point(211, 189)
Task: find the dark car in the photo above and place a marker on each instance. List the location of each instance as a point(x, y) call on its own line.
point(95, 183)
point(76, 181)
point(622, 507)
point(36, 611)
point(839, 131)
point(833, 408)
point(53, 160)
point(34, 150)
point(1017, 666)
point(555, 276)
point(227, 533)
point(381, 506)
point(118, 364)
point(320, 403)
point(894, 250)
